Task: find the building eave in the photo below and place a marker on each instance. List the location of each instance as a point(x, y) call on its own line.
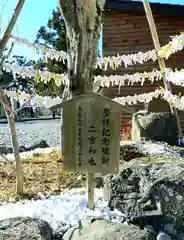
point(171, 10)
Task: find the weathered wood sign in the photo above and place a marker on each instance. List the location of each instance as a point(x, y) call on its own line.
point(91, 134)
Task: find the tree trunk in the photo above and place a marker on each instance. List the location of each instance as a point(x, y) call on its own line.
point(15, 145)
point(9, 114)
point(19, 165)
point(83, 19)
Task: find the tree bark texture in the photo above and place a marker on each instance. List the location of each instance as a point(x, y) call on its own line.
point(15, 144)
point(7, 105)
point(83, 19)
point(19, 165)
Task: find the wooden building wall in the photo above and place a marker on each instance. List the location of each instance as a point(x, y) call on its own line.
point(127, 33)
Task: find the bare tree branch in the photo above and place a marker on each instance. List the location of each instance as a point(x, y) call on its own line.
point(1, 65)
point(5, 102)
point(10, 27)
point(3, 97)
point(6, 56)
point(1, 14)
point(4, 41)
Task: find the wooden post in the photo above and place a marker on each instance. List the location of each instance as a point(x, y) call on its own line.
point(91, 136)
point(61, 134)
point(161, 61)
point(91, 191)
point(82, 20)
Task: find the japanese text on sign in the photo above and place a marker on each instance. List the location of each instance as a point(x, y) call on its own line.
point(92, 149)
point(105, 136)
point(79, 136)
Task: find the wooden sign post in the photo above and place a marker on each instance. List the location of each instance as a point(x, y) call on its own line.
point(91, 136)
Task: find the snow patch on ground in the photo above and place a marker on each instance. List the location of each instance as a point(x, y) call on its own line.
point(24, 155)
point(61, 211)
point(66, 209)
point(152, 149)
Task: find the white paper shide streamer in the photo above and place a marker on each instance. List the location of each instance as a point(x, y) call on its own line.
point(49, 52)
point(141, 98)
point(176, 77)
point(175, 45)
point(174, 100)
point(27, 72)
point(127, 60)
point(128, 100)
point(48, 102)
point(24, 97)
point(130, 79)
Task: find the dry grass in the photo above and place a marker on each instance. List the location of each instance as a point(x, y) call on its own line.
point(158, 159)
point(43, 174)
point(154, 159)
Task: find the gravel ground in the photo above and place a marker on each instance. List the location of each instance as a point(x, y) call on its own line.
point(32, 132)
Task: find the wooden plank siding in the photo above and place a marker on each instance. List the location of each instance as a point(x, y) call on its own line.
point(127, 33)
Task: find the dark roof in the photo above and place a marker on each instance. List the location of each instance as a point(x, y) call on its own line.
point(172, 10)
